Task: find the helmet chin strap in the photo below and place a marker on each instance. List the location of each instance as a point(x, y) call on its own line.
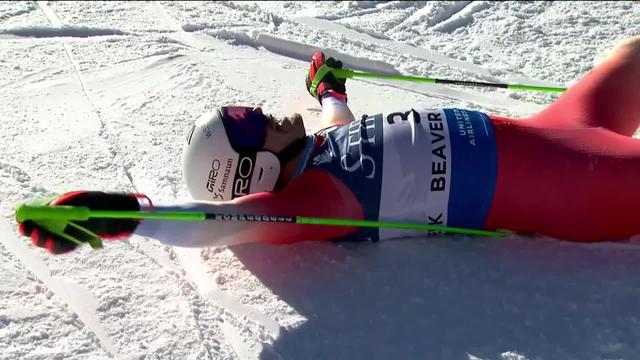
point(289, 153)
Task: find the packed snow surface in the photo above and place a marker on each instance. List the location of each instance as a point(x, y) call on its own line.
point(99, 95)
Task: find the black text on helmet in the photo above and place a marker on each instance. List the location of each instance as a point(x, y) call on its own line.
point(244, 172)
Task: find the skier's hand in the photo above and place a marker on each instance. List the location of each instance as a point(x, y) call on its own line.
point(43, 235)
point(329, 85)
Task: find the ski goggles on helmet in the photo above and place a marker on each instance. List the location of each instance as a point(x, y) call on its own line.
point(246, 129)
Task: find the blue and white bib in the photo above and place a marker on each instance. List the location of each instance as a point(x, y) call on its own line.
point(437, 167)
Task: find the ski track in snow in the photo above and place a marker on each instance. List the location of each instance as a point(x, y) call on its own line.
point(460, 18)
point(18, 12)
point(47, 32)
point(86, 309)
point(79, 300)
point(309, 300)
point(445, 14)
point(55, 21)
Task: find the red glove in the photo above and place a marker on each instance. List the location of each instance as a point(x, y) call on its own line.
point(83, 231)
point(329, 85)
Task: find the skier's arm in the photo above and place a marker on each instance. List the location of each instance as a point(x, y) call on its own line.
point(313, 194)
point(331, 92)
point(335, 112)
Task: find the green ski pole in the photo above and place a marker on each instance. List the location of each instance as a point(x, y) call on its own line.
point(79, 213)
point(348, 74)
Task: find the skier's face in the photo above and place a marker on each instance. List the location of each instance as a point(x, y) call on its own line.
point(249, 129)
point(282, 132)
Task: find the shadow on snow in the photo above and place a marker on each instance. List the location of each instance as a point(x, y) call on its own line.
point(451, 298)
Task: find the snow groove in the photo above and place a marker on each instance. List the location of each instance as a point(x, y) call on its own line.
point(231, 317)
point(424, 14)
point(274, 19)
point(448, 12)
point(15, 172)
point(65, 31)
point(365, 11)
point(55, 21)
point(461, 18)
point(18, 12)
point(303, 52)
point(197, 272)
point(79, 300)
point(186, 289)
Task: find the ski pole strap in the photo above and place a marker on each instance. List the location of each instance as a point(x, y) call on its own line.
point(348, 74)
point(317, 79)
point(73, 213)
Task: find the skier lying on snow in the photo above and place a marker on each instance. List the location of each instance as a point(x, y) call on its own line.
point(570, 172)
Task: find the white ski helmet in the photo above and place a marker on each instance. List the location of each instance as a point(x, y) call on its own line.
point(222, 158)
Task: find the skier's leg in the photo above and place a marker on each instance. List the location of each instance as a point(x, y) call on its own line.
point(576, 184)
point(608, 96)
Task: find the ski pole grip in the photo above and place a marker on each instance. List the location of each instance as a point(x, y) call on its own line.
point(30, 212)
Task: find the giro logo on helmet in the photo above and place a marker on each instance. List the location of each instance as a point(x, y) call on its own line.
point(244, 171)
point(212, 179)
point(213, 175)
